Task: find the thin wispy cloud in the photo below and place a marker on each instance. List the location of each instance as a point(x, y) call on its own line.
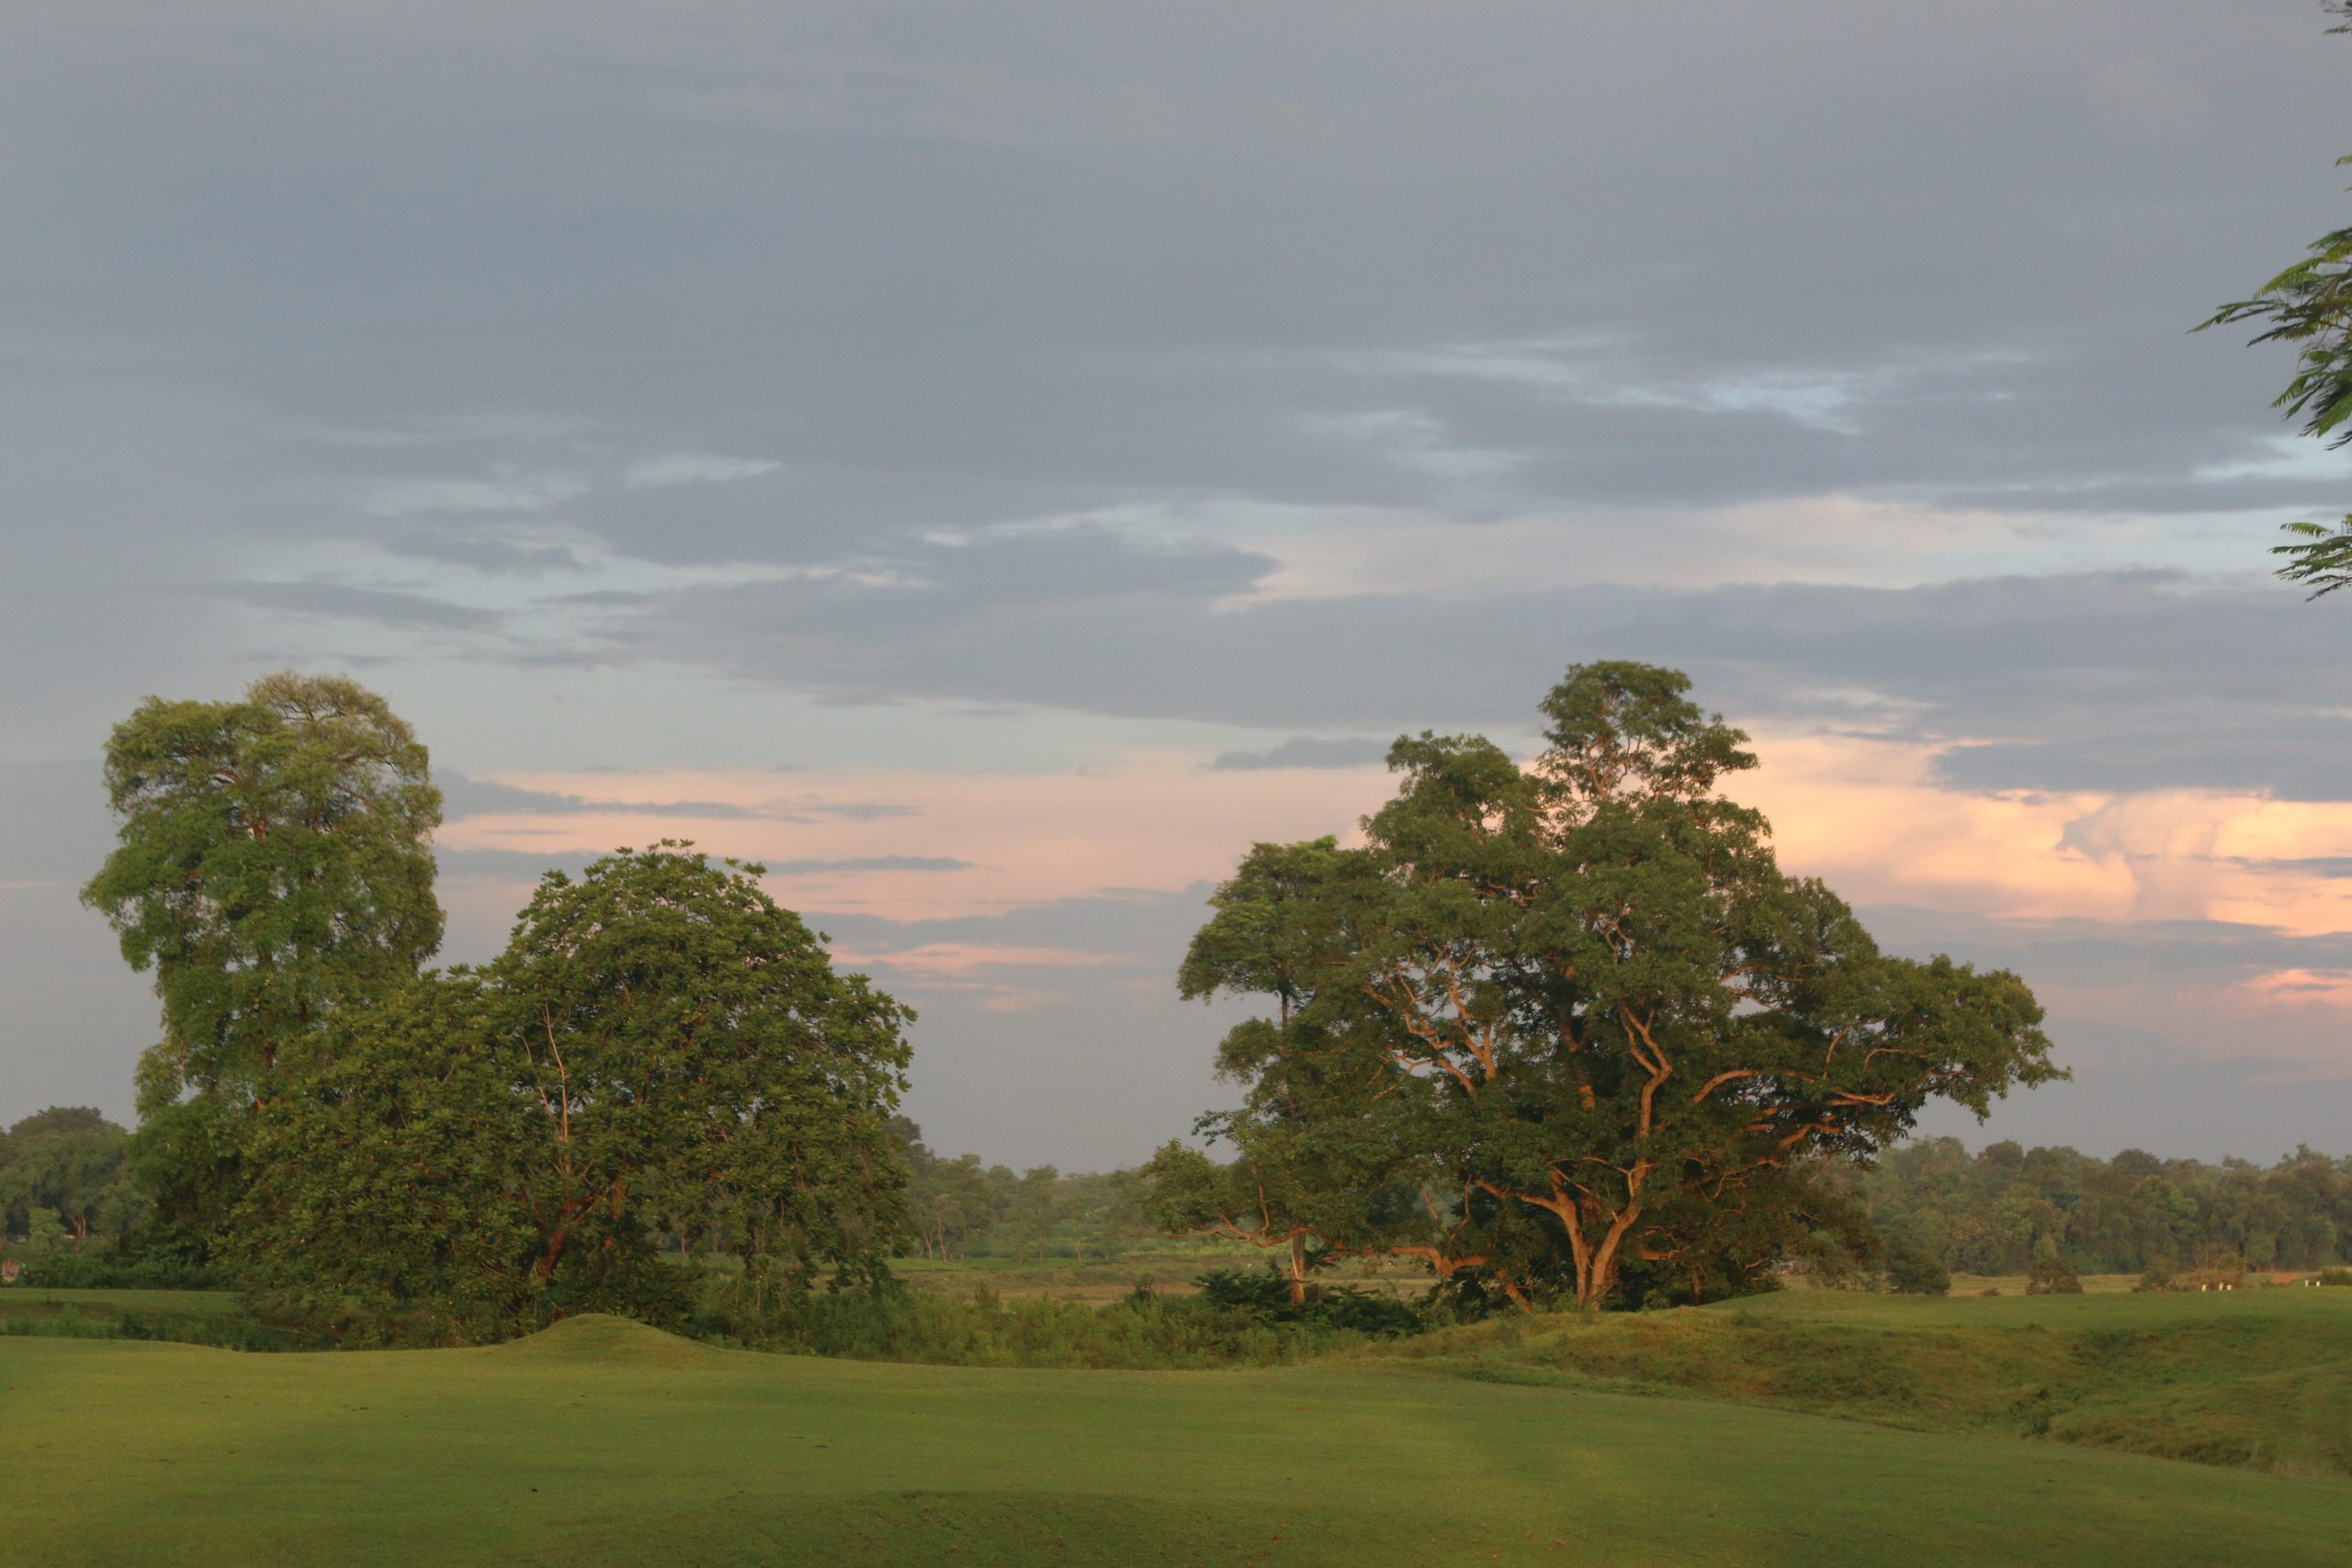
point(692, 469)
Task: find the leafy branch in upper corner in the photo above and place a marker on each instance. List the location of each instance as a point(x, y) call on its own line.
point(2310, 304)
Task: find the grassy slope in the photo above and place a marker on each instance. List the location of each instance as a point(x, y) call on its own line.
point(604, 1442)
point(2260, 1379)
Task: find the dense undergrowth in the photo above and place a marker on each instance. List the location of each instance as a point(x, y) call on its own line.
point(1238, 1319)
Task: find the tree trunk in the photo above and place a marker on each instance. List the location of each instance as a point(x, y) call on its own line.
point(1298, 1270)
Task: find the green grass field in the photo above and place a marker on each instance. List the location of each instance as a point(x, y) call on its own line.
point(603, 1442)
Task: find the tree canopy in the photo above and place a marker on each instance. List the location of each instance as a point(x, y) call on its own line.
point(69, 1166)
point(662, 1052)
point(275, 857)
point(1559, 1026)
point(274, 863)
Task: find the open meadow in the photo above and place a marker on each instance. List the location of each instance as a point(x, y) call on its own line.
point(1800, 1428)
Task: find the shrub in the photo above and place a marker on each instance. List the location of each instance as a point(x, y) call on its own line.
point(1913, 1271)
point(1264, 1296)
point(2336, 1275)
point(1235, 1321)
point(2052, 1277)
point(2155, 1278)
point(111, 1271)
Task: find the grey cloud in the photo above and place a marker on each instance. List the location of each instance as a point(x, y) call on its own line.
point(504, 865)
point(482, 552)
point(2318, 865)
point(2100, 681)
point(1308, 752)
point(869, 862)
point(952, 285)
point(463, 796)
point(342, 601)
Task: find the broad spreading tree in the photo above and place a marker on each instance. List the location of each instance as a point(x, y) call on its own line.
point(1562, 1027)
point(274, 863)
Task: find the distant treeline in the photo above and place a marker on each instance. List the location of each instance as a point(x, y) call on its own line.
point(963, 1209)
point(2000, 1210)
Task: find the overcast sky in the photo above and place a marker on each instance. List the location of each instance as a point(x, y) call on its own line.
point(996, 462)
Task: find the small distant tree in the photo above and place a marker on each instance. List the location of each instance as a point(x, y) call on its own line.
point(1036, 1210)
point(72, 1164)
point(1913, 1271)
point(2052, 1277)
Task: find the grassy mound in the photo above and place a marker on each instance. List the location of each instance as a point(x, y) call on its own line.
point(2260, 1379)
point(596, 1339)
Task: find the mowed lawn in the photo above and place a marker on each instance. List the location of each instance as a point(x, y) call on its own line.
point(602, 1442)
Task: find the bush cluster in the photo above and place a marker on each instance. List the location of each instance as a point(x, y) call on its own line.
point(2052, 1277)
point(115, 1271)
point(1238, 1319)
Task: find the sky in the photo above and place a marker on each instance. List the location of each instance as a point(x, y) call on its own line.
point(994, 464)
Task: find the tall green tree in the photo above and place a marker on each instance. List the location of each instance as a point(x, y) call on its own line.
point(273, 862)
point(1277, 919)
point(1563, 1024)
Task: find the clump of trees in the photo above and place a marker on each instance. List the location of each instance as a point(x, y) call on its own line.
point(661, 1055)
point(2007, 1207)
point(64, 1180)
point(961, 1208)
point(1565, 1029)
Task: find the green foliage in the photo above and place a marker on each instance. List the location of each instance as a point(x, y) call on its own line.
point(2309, 305)
point(1145, 1331)
point(2052, 1277)
point(1568, 1028)
point(274, 861)
point(68, 1168)
point(384, 1184)
point(661, 1053)
point(1913, 1271)
point(699, 1064)
point(1992, 1213)
point(1267, 1296)
point(273, 865)
point(113, 1271)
